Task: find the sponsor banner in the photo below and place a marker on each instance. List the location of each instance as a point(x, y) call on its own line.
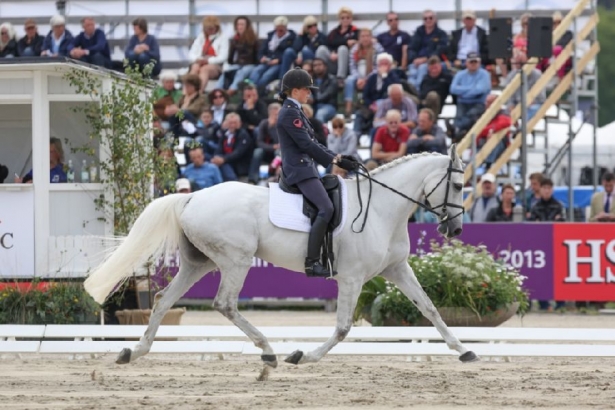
point(527, 247)
point(17, 234)
point(584, 262)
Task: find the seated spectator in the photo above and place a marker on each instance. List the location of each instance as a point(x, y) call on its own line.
point(395, 42)
point(270, 54)
point(532, 195)
point(375, 92)
point(218, 102)
point(56, 164)
point(182, 185)
point(8, 41)
point(362, 63)
point(468, 39)
point(90, 46)
point(339, 41)
point(208, 136)
point(184, 116)
point(200, 173)
point(209, 51)
point(427, 136)
point(166, 95)
point(557, 49)
point(321, 131)
point(58, 39)
point(305, 45)
point(31, 44)
point(396, 101)
point(518, 62)
point(548, 209)
point(435, 86)
point(500, 122)
point(252, 110)
point(390, 141)
point(142, 48)
point(209, 133)
point(602, 208)
point(242, 55)
point(234, 153)
point(429, 40)
point(487, 201)
point(267, 143)
point(342, 141)
point(504, 211)
point(471, 87)
point(324, 101)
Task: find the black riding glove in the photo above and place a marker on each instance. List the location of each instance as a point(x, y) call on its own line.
point(351, 158)
point(347, 164)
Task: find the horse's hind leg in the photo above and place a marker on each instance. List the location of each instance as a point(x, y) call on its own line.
point(233, 276)
point(347, 295)
point(189, 273)
point(403, 276)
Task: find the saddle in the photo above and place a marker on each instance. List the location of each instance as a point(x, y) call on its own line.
point(332, 186)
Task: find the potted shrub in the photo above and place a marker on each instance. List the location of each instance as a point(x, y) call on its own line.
point(466, 284)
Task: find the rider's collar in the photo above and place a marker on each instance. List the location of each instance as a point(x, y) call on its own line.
point(297, 103)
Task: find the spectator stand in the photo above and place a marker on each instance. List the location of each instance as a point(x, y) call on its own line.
point(56, 229)
point(581, 58)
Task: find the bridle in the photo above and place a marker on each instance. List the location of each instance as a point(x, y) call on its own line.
point(442, 215)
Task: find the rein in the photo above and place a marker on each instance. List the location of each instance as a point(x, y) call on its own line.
point(442, 216)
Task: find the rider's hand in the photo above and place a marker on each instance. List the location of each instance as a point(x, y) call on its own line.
point(347, 164)
point(350, 158)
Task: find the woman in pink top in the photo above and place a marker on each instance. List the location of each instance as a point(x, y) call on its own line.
point(519, 44)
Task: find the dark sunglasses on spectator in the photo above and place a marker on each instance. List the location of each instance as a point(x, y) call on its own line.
point(393, 122)
point(472, 61)
point(337, 127)
point(312, 25)
point(428, 18)
point(30, 27)
point(5, 33)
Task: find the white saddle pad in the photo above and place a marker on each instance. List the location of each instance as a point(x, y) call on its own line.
point(286, 210)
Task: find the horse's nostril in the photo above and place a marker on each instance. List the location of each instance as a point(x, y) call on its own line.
point(457, 231)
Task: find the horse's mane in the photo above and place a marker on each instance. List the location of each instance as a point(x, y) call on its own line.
point(402, 160)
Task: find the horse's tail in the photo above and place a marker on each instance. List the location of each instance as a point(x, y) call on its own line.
point(156, 231)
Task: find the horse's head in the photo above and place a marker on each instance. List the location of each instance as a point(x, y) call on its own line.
point(444, 194)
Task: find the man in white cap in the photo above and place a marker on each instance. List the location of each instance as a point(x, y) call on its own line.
point(487, 201)
point(57, 40)
point(468, 39)
point(182, 186)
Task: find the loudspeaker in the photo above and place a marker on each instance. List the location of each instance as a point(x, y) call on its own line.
point(500, 38)
point(540, 37)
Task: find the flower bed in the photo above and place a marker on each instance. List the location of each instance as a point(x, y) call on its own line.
point(461, 280)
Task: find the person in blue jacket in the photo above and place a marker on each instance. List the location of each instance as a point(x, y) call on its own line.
point(91, 46)
point(300, 153)
point(58, 39)
point(142, 48)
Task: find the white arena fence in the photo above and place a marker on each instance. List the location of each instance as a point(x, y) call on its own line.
point(412, 342)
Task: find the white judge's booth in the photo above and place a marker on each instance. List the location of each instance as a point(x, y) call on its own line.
point(47, 230)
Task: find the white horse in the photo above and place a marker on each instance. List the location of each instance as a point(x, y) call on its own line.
point(225, 226)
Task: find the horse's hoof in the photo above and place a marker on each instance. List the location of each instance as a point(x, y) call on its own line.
point(270, 360)
point(294, 357)
point(124, 356)
point(469, 357)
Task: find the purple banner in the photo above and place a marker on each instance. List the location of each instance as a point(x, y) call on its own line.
point(527, 247)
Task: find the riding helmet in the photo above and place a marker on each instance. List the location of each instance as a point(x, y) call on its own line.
point(297, 78)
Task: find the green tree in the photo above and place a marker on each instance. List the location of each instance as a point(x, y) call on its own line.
point(606, 66)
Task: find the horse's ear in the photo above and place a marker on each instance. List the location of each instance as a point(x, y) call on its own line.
point(453, 152)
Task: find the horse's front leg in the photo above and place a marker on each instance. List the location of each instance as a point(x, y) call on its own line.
point(403, 276)
point(348, 293)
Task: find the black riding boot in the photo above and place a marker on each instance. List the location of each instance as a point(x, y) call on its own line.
point(313, 267)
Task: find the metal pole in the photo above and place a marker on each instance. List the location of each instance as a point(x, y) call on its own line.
point(595, 108)
point(573, 113)
point(523, 136)
point(325, 16)
point(127, 13)
point(258, 13)
point(457, 14)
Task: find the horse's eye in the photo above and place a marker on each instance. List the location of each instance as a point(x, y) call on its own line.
point(458, 187)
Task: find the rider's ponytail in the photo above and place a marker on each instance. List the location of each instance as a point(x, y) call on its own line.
point(281, 96)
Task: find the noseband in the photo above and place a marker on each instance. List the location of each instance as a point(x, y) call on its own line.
point(442, 216)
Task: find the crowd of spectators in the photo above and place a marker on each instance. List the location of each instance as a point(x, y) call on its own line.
point(390, 86)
